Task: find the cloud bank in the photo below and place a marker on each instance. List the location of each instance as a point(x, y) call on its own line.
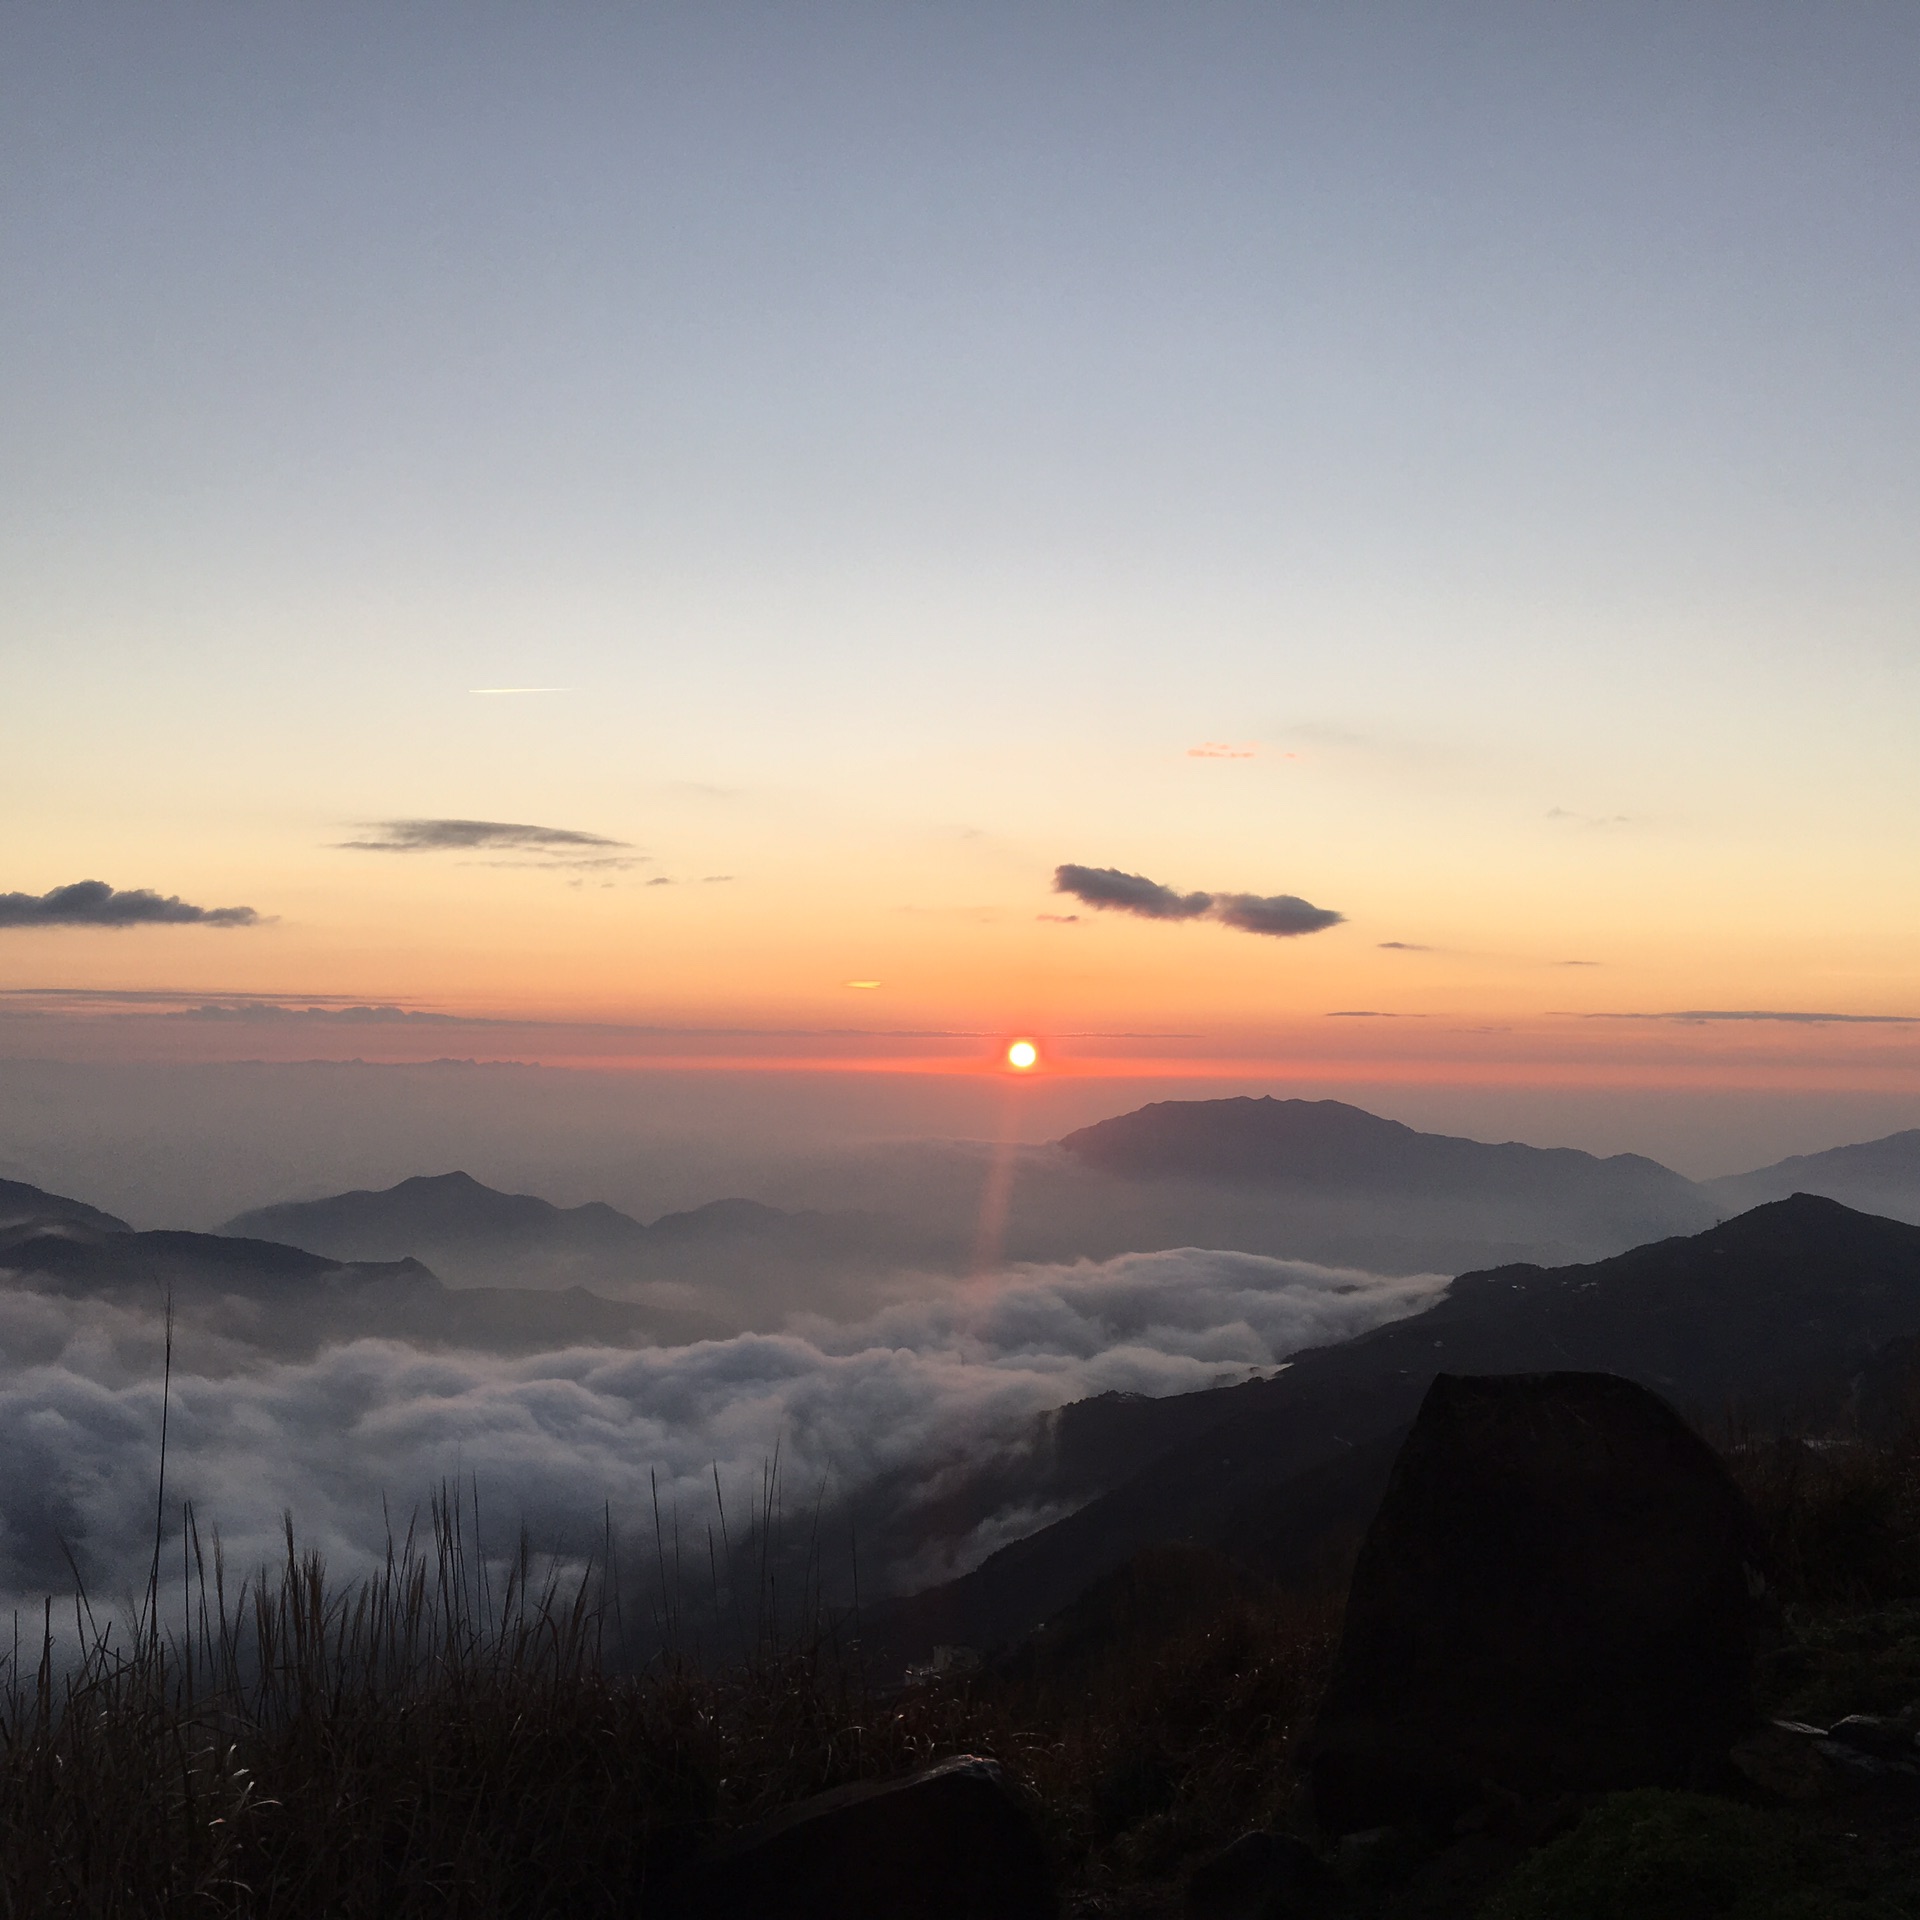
point(1281, 915)
point(92, 903)
point(891, 1402)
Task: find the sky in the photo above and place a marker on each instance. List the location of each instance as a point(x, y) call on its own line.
point(647, 537)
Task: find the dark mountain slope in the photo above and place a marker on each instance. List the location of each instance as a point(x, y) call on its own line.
point(1881, 1176)
point(1776, 1308)
point(20, 1203)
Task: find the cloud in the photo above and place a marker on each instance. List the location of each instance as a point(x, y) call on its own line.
point(1282, 915)
point(1223, 750)
point(365, 1016)
point(1700, 1014)
point(547, 846)
point(1129, 893)
point(1590, 819)
point(92, 903)
point(877, 1410)
point(1060, 919)
point(1403, 946)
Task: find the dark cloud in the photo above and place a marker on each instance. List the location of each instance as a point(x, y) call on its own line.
point(1283, 915)
point(92, 903)
point(562, 844)
point(1790, 1019)
point(1129, 893)
point(1403, 946)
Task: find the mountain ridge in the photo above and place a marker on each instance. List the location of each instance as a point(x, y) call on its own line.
point(1774, 1309)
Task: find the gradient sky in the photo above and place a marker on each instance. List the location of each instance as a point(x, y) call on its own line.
point(905, 434)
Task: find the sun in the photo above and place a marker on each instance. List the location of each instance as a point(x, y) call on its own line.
point(1023, 1056)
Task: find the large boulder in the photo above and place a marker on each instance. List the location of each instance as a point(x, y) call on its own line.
point(948, 1843)
point(1555, 1595)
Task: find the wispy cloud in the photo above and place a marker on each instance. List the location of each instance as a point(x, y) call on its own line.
point(1281, 915)
point(92, 903)
point(539, 846)
point(1590, 819)
point(1403, 946)
point(364, 1016)
point(1222, 750)
point(1795, 1019)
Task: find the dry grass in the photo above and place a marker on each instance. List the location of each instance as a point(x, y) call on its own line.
point(450, 1738)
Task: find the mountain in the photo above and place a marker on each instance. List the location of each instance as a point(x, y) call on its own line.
point(473, 1235)
point(261, 1296)
point(1321, 1180)
point(437, 1211)
point(1880, 1176)
point(20, 1203)
point(1327, 1145)
point(1775, 1310)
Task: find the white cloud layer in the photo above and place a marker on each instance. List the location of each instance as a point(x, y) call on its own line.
point(956, 1373)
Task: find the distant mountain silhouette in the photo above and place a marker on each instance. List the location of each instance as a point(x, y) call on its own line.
point(1881, 1176)
point(1321, 1180)
point(20, 1203)
point(1328, 1145)
point(289, 1302)
point(471, 1233)
point(1776, 1309)
point(436, 1210)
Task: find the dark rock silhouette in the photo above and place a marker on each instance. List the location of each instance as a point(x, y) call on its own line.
point(948, 1843)
point(1556, 1595)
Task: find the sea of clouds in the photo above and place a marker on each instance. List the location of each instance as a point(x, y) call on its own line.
point(947, 1376)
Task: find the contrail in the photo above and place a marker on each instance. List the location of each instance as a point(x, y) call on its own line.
point(519, 689)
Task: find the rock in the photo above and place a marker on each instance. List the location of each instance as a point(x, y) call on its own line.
point(1884, 1736)
point(949, 1843)
point(1556, 1595)
point(1261, 1876)
point(1783, 1760)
